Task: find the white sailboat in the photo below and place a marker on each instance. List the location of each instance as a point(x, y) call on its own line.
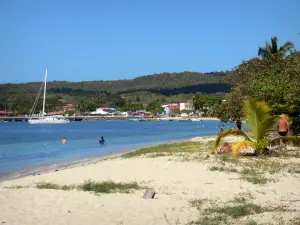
point(44, 119)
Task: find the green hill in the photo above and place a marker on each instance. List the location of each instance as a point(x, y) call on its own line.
point(163, 86)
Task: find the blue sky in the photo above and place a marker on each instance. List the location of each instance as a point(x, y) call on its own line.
point(118, 39)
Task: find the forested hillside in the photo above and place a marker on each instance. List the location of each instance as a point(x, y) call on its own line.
point(162, 86)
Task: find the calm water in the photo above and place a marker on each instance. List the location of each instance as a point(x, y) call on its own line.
point(24, 146)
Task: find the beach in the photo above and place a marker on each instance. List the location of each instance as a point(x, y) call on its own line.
point(189, 180)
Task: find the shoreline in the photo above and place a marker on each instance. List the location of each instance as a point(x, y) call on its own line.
point(192, 186)
point(111, 118)
point(54, 167)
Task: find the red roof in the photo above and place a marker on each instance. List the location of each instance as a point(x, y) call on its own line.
point(69, 106)
point(173, 107)
point(55, 113)
point(4, 112)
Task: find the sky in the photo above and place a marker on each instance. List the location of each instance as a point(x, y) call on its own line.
point(117, 39)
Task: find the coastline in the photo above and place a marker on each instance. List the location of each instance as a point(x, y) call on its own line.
point(191, 183)
point(50, 168)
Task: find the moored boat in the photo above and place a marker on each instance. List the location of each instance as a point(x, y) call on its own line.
point(44, 119)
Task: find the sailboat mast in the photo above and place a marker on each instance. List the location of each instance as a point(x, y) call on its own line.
point(44, 99)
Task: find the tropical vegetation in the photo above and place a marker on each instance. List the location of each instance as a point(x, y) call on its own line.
point(274, 78)
point(260, 123)
point(271, 50)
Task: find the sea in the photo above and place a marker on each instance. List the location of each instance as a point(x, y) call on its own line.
point(24, 146)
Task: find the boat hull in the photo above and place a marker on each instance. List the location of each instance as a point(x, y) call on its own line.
point(48, 121)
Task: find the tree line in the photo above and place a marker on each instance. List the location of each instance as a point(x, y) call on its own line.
point(273, 77)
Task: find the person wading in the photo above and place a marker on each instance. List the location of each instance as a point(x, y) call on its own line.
point(239, 124)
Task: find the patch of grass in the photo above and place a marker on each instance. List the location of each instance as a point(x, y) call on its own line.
point(236, 211)
point(250, 175)
point(239, 200)
point(226, 212)
point(185, 147)
point(210, 220)
point(157, 154)
point(253, 176)
point(295, 221)
point(251, 222)
point(227, 157)
point(223, 169)
point(198, 203)
point(290, 154)
point(17, 187)
point(94, 186)
point(265, 164)
point(294, 169)
point(48, 185)
point(109, 186)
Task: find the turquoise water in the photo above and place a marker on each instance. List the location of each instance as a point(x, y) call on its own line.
point(24, 146)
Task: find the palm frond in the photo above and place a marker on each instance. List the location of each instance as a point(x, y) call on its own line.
point(259, 120)
point(274, 46)
point(290, 140)
point(287, 46)
point(229, 132)
point(283, 50)
point(268, 47)
point(264, 53)
point(240, 145)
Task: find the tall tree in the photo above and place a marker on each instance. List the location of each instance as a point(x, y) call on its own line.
point(271, 50)
point(198, 102)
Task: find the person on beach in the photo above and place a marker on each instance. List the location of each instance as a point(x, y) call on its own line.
point(283, 128)
point(101, 140)
point(225, 148)
point(64, 141)
point(239, 124)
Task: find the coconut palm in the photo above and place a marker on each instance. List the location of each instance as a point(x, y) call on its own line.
point(271, 50)
point(260, 122)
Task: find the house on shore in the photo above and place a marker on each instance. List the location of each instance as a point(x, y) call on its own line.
point(68, 107)
point(186, 106)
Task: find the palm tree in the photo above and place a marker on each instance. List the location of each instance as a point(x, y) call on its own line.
point(260, 122)
point(271, 51)
point(198, 102)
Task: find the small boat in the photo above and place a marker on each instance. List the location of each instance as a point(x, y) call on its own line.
point(134, 119)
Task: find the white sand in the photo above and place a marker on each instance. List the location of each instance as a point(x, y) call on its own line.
point(175, 182)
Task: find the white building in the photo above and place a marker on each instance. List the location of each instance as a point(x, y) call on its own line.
point(186, 106)
point(103, 111)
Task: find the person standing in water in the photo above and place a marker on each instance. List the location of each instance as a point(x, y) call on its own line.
point(101, 140)
point(222, 128)
point(283, 128)
point(64, 141)
point(239, 124)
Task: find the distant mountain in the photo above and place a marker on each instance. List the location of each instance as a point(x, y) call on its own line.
point(164, 83)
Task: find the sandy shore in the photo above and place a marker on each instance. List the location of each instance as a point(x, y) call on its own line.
point(175, 180)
